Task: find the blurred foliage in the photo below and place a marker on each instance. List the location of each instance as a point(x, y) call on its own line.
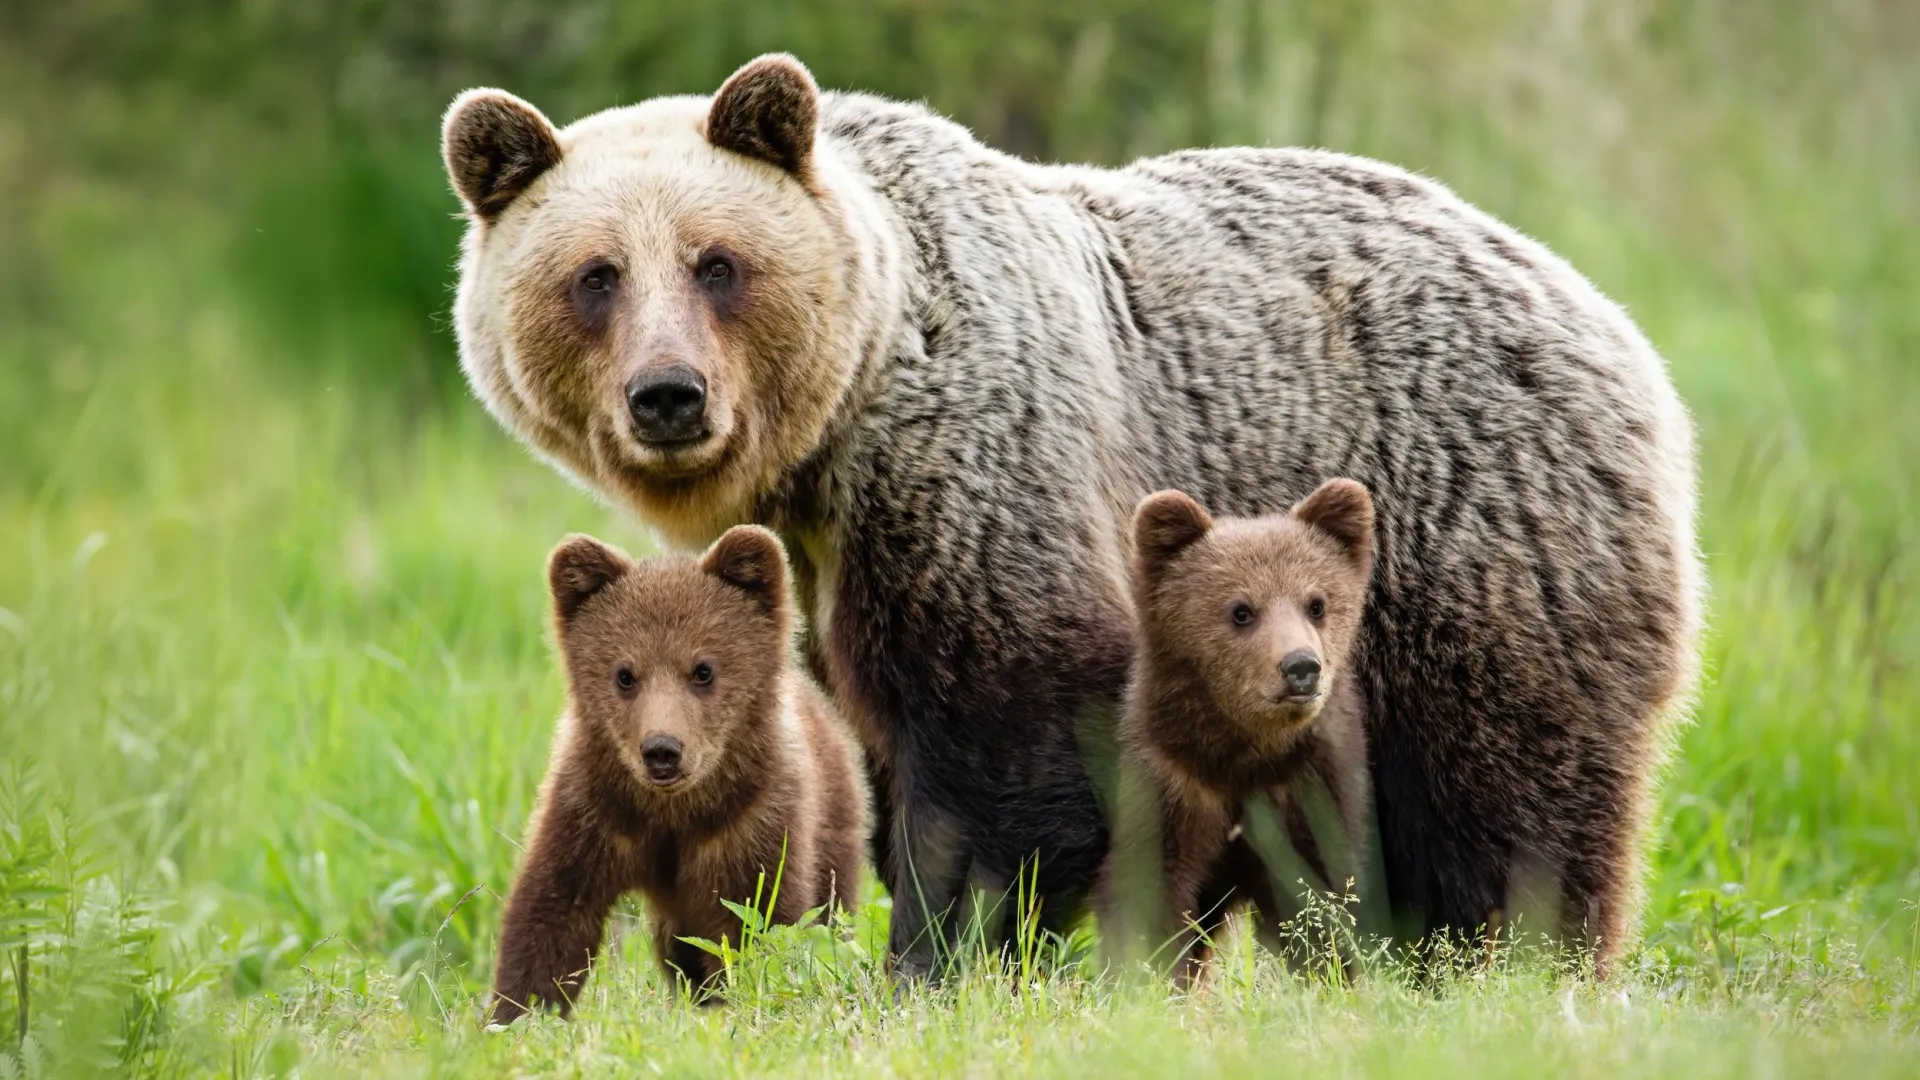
point(312, 127)
point(89, 980)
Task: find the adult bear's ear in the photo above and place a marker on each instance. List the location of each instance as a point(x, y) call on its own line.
point(495, 145)
point(768, 110)
point(750, 559)
point(579, 568)
point(1343, 510)
point(1165, 524)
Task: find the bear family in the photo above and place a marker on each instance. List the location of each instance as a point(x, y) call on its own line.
point(692, 765)
point(945, 376)
point(1243, 692)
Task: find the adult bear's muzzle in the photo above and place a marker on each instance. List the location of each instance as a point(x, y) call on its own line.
point(668, 405)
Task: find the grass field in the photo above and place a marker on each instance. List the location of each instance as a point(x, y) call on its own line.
point(275, 690)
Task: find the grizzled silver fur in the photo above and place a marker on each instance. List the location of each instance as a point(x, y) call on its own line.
point(1040, 346)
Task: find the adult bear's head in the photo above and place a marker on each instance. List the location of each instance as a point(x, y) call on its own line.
point(667, 300)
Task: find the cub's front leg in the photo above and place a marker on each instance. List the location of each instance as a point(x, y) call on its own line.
point(557, 913)
point(1193, 839)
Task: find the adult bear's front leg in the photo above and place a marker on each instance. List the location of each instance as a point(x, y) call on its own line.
point(932, 857)
point(969, 662)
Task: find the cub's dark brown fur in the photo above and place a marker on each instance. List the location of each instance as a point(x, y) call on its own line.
point(1244, 693)
point(692, 755)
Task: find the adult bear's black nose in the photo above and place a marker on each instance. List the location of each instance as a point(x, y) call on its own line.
point(661, 755)
point(668, 405)
point(1301, 669)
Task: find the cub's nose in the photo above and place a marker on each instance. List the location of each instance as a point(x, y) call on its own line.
point(669, 404)
point(661, 755)
point(1301, 669)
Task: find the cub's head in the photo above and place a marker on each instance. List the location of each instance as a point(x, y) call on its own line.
point(678, 659)
point(661, 299)
point(1264, 610)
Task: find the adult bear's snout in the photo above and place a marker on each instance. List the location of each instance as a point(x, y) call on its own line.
point(668, 405)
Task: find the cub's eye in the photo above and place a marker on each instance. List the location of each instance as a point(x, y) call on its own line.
point(1316, 609)
point(716, 270)
point(599, 279)
point(703, 674)
point(624, 678)
point(1242, 614)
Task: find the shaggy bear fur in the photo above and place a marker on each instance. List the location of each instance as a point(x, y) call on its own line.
point(691, 761)
point(946, 376)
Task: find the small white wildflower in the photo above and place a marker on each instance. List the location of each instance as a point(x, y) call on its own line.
point(1567, 1011)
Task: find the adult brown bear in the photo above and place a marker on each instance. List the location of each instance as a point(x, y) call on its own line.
point(945, 376)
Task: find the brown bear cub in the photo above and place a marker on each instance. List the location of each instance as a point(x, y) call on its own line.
point(692, 758)
point(1244, 692)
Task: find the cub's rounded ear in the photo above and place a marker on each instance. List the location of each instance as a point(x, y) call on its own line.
point(495, 145)
point(1165, 524)
point(768, 110)
point(580, 567)
point(750, 559)
point(1342, 509)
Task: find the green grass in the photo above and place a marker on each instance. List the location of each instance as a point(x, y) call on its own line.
point(281, 650)
point(275, 690)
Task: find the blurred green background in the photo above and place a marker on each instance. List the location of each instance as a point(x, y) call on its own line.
point(274, 686)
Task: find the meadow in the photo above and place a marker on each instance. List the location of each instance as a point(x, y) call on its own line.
point(275, 682)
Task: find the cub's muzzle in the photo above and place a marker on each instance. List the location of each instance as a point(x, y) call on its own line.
point(661, 755)
point(1301, 670)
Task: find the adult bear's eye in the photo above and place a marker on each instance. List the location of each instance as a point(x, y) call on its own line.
point(1316, 609)
point(716, 270)
point(1242, 614)
point(599, 278)
point(703, 674)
